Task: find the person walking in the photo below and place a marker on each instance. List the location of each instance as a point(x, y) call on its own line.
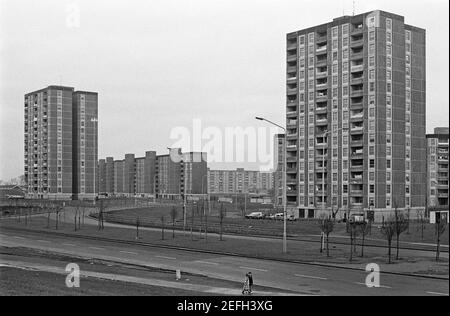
point(250, 282)
point(246, 286)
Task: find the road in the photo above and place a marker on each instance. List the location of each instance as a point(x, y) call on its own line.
point(300, 278)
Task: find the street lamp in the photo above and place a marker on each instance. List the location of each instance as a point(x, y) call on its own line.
point(95, 120)
point(284, 181)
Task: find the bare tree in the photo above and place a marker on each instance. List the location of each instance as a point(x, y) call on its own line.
point(441, 226)
point(192, 222)
point(388, 230)
point(173, 216)
point(421, 218)
point(353, 231)
point(364, 230)
point(138, 223)
point(326, 224)
point(222, 214)
point(401, 225)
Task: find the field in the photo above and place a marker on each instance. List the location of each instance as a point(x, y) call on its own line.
point(235, 223)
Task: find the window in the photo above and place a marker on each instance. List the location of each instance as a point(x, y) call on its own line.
point(371, 61)
point(371, 49)
point(389, 37)
point(388, 164)
point(389, 62)
point(371, 35)
point(372, 188)
point(389, 24)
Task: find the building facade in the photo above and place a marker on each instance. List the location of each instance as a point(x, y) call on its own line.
point(56, 145)
point(356, 116)
point(163, 176)
point(278, 184)
point(437, 179)
point(239, 181)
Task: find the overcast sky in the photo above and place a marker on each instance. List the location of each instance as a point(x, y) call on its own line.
point(160, 64)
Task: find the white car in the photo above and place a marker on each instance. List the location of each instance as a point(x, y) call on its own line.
point(255, 215)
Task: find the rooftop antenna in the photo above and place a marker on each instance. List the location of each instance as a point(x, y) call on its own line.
point(353, 7)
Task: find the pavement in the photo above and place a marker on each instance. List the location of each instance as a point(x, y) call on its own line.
point(303, 279)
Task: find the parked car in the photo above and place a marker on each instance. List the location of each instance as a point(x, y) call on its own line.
point(291, 218)
point(279, 216)
point(357, 219)
point(255, 215)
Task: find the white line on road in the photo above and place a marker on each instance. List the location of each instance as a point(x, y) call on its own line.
point(46, 241)
point(96, 248)
point(129, 252)
point(437, 293)
point(310, 277)
point(19, 237)
point(248, 268)
point(207, 262)
point(71, 245)
point(381, 286)
point(170, 258)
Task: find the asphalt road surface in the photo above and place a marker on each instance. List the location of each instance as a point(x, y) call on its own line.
point(301, 278)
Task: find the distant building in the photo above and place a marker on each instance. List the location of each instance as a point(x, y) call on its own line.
point(164, 176)
point(61, 143)
point(437, 168)
point(239, 181)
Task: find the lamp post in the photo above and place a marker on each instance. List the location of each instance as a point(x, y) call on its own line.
point(284, 181)
point(95, 120)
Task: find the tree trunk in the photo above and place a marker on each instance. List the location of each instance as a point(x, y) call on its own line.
point(438, 250)
point(389, 253)
point(351, 248)
point(398, 247)
point(328, 248)
point(362, 245)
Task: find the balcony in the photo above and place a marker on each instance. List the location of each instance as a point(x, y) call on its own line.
point(322, 86)
point(321, 50)
point(357, 43)
point(291, 123)
point(356, 192)
point(357, 81)
point(321, 96)
point(357, 93)
point(291, 114)
point(291, 57)
point(321, 110)
point(357, 130)
point(321, 39)
point(321, 74)
point(291, 46)
point(357, 118)
point(291, 69)
point(322, 122)
point(291, 91)
point(356, 68)
point(321, 62)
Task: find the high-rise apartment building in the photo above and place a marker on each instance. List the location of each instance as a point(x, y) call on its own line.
point(164, 176)
point(437, 184)
point(59, 157)
point(356, 116)
point(278, 166)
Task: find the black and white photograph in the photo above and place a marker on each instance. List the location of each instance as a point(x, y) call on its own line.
point(224, 155)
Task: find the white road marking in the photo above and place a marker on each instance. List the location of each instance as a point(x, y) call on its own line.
point(207, 262)
point(129, 252)
point(45, 241)
point(96, 248)
point(423, 244)
point(381, 286)
point(19, 237)
point(163, 257)
point(437, 293)
point(71, 245)
point(310, 277)
point(248, 268)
